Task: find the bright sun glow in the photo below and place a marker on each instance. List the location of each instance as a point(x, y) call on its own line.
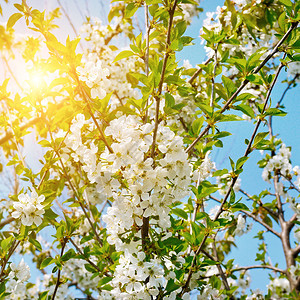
point(37, 79)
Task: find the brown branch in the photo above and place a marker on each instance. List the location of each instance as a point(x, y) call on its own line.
point(260, 267)
point(160, 85)
point(87, 101)
point(85, 258)
point(7, 221)
point(223, 277)
point(11, 72)
point(8, 135)
point(195, 75)
point(69, 20)
point(296, 251)
point(287, 88)
point(269, 228)
point(244, 83)
point(145, 226)
point(59, 270)
point(12, 249)
point(270, 211)
point(255, 218)
point(234, 179)
point(211, 104)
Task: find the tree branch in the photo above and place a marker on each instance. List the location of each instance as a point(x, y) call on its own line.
point(244, 83)
point(270, 211)
point(7, 221)
point(296, 251)
point(160, 85)
point(195, 75)
point(260, 267)
point(234, 179)
point(252, 216)
point(59, 270)
point(145, 226)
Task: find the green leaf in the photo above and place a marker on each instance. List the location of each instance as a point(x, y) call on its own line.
point(50, 214)
point(275, 112)
point(246, 109)
point(229, 85)
point(239, 206)
point(259, 137)
point(244, 96)
point(170, 101)
point(197, 125)
point(228, 118)
point(36, 244)
point(240, 162)
point(43, 295)
point(172, 241)
point(123, 54)
point(180, 213)
point(286, 2)
point(46, 262)
point(5, 243)
point(68, 255)
point(13, 19)
point(90, 268)
point(130, 10)
point(104, 281)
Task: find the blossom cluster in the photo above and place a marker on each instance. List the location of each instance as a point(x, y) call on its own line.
point(29, 209)
point(18, 275)
point(95, 78)
point(138, 185)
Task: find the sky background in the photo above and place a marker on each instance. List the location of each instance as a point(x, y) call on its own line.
point(287, 128)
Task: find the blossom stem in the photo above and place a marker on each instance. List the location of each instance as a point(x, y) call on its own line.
point(148, 27)
point(73, 189)
point(145, 226)
point(84, 95)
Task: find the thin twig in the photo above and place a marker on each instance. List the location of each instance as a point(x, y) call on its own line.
point(145, 226)
point(252, 216)
point(248, 150)
point(223, 277)
point(87, 101)
point(148, 27)
point(59, 270)
point(211, 104)
point(85, 258)
point(70, 21)
point(259, 267)
point(244, 83)
point(160, 85)
point(73, 189)
point(11, 72)
point(7, 221)
point(287, 88)
point(12, 249)
point(270, 211)
point(195, 75)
